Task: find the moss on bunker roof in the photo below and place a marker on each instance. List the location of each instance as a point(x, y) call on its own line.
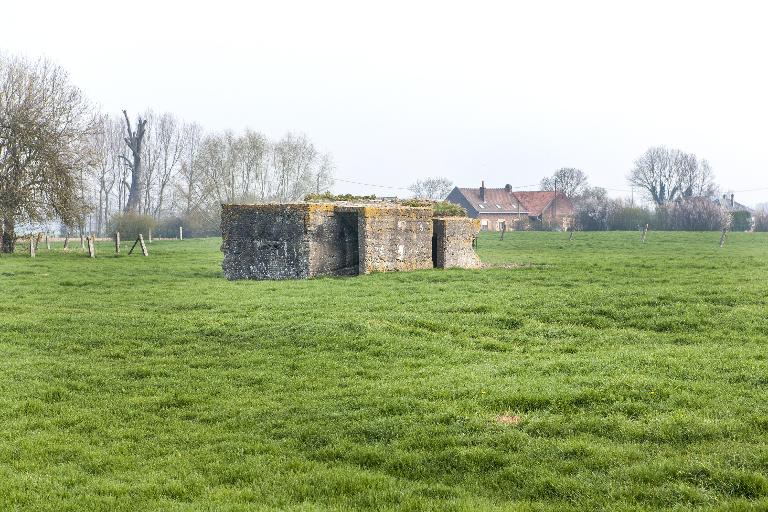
point(365, 208)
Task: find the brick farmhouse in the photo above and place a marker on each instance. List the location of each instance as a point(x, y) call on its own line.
point(503, 208)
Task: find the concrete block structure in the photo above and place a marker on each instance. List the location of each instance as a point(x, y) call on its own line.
point(453, 242)
point(287, 241)
point(301, 240)
point(392, 237)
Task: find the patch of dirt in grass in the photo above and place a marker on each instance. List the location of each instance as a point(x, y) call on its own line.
point(508, 419)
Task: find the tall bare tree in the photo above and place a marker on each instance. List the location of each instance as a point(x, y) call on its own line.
point(668, 174)
point(46, 133)
point(108, 145)
point(568, 180)
point(169, 141)
point(293, 158)
point(436, 188)
point(189, 183)
point(133, 140)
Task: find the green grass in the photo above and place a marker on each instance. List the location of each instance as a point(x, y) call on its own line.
point(639, 372)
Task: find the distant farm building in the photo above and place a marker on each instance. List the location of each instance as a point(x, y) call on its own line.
point(302, 240)
point(732, 206)
point(741, 215)
point(502, 208)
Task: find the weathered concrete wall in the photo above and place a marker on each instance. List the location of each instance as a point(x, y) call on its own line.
point(287, 241)
point(301, 240)
point(333, 243)
point(265, 241)
point(453, 242)
point(393, 237)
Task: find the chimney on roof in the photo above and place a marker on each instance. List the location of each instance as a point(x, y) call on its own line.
point(508, 188)
point(731, 200)
point(482, 191)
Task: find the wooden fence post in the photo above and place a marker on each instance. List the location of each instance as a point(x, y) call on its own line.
point(117, 242)
point(91, 247)
point(47, 242)
point(150, 236)
point(143, 247)
point(181, 233)
point(645, 232)
point(32, 247)
point(139, 240)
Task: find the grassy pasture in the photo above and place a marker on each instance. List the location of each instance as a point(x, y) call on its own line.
point(638, 373)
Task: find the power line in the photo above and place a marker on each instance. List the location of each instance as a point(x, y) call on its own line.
point(752, 190)
point(370, 184)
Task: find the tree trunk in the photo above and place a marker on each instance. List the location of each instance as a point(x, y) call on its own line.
point(133, 140)
point(134, 194)
point(8, 239)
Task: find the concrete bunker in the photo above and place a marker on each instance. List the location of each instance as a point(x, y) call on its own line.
point(302, 240)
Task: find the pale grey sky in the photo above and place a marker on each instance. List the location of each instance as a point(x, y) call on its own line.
point(501, 91)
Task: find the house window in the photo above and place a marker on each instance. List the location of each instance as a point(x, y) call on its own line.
point(502, 225)
point(484, 225)
point(481, 206)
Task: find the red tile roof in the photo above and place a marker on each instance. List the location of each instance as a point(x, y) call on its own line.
point(537, 202)
point(498, 200)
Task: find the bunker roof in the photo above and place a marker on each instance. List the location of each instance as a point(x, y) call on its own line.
point(342, 206)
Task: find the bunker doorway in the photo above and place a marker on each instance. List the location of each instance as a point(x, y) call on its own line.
point(348, 244)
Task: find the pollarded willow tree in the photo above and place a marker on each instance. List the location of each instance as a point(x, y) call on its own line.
point(47, 128)
point(133, 140)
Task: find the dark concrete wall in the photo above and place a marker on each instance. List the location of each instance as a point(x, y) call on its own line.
point(288, 241)
point(453, 242)
point(265, 241)
point(333, 243)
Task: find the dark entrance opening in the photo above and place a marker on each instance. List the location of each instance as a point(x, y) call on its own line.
point(434, 249)
point(348, 244)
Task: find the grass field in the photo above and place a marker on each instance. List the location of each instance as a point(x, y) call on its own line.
point(639, 374)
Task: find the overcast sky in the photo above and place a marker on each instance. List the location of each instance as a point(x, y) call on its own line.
point(502, 91)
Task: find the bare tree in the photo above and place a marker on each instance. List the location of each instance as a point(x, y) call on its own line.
point(169, 144)
point(568, 180)
point(293, 159)
point(133, 140)
point(435, 189)
point(212, 160)
point(698, 180)
point(668, 174)
point(46, 134)
point(189, 182)
point(252, 152)
point(108, 146)
point(324, 174)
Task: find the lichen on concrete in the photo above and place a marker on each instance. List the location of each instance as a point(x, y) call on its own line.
point(453, 244)
point(301, 240)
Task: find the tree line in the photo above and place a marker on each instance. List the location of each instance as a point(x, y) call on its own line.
point(62, 160)
point(679, 186)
